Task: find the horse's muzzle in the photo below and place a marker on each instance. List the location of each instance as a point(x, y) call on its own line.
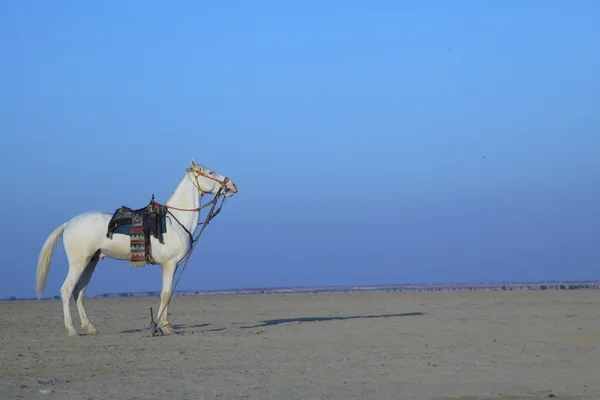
point(230, 188)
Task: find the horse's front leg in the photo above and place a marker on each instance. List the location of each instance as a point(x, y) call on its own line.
point(168, 269)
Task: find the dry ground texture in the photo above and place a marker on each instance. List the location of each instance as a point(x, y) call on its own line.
point(442, 345)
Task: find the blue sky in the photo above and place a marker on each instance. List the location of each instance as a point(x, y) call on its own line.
point(372, 142)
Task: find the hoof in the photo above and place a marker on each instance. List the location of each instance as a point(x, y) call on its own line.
point(92, 331)
point(73, 333)
point(168, 329)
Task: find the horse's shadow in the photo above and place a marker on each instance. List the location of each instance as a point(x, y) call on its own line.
point(176, 326)
point(271, 322)
point(279, 321)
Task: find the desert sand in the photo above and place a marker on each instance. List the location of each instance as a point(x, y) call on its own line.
point(419, 345)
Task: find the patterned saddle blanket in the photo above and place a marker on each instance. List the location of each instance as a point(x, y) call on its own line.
point(140, 225)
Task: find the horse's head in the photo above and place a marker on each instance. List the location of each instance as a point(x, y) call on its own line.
point(208, 181)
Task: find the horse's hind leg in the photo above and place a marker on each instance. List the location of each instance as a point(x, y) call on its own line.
point(77, 266)
point(79, 294)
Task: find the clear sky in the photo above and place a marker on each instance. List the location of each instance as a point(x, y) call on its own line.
point(372, 142)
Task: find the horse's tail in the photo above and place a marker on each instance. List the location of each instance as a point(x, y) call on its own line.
point(46, 257)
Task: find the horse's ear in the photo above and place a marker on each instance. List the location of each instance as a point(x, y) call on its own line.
point(192, 163)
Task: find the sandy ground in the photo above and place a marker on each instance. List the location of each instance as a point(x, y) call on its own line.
point(443, 345)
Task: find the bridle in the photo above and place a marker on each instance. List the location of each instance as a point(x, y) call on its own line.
point(213, 202)
point(212, 213)
point(197, 174)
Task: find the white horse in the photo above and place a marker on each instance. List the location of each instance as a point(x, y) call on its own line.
point(85, 242)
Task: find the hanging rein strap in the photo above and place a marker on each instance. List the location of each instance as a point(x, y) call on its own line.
point(156, 331)
point(193, 241)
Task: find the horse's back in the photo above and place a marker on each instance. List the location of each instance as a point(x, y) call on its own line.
point(86, 233)
point(87, 224)
point(90, 218)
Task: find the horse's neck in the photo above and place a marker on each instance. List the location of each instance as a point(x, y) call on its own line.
point(186, 197)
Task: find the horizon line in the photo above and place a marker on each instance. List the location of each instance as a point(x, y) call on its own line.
point(347, 288)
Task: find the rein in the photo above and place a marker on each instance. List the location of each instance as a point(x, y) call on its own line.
point(156, 331)
point(192, 240)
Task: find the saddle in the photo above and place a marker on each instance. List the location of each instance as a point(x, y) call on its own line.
point(143, 223)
